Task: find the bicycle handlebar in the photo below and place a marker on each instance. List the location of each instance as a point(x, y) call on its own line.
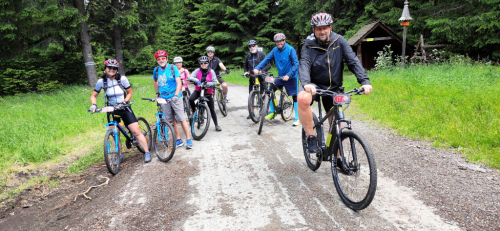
point(356, 91)
point(117, 107)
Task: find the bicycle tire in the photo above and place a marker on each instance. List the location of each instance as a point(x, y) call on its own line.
point(187, 106)
point(263, 113)
point(164, 148)
point(254, 105)
point(362, 173)
point(201, 117)
point(146, 131)
point(286, 103)
point(110, 154)
point(221, 102)
point(313, 160)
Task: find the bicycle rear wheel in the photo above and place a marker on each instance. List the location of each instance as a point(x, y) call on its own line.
point(187, 106)
point(357, 184)
point(286, 103)
point(164, 141)
point(111, 152)
point(221, 102)
point(254, 105)
point(146, 131)
point(200, 122)
point(313, 160)
point(263, 113)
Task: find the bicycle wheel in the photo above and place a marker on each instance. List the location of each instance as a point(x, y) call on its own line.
point(221, 102)
point(356, 186)
point(313, 160)
point(263, 113)
point(146, 131)
point(111, 152)
point(164, 141)
point(286, 103)
point(254, 105)
point(187, 106)
point(201, 122)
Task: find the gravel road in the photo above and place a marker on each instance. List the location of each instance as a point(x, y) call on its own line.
point(238, 180)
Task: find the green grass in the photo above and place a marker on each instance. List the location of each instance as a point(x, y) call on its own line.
point(41, 127)
point(451, 105)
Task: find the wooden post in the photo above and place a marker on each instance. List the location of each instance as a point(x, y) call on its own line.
point(423, 50)
point(404, 48)
point(359, 53)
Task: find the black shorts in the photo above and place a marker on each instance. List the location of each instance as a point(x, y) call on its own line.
point(127, 116)
point(220, 79)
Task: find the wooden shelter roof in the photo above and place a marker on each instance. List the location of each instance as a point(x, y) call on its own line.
point(367, 29)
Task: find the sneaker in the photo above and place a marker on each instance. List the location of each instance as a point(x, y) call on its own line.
point(147, 157)
point(119, 159)
point(179, 143)
point(217, 128)
point(312, 144)
point(296, 123)
point(189, 144)
point(270, 116)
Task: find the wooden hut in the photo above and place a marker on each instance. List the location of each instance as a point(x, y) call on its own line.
point(372, 38)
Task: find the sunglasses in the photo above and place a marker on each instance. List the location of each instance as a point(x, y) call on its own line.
point(210, 52)
point(251, 46)
point(113, 68)
point(203, 63)
point(161, 59)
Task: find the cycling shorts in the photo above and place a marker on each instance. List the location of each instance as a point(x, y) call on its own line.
point(291, 85)
point(221, 81)
point(127, 116)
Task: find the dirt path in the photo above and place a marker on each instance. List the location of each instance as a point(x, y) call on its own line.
point(237, 180)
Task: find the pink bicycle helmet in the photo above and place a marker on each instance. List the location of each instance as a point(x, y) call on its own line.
point(111, 63)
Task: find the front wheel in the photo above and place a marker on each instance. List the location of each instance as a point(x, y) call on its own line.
point(254, 105)
point(357, 182)
point(164, 141)
point(263, 113)
point(111, 152)
point(313, 160)
point(286, 103)
point(187, 106)
point(146, 131)
point(200, 122)
point(221, 102)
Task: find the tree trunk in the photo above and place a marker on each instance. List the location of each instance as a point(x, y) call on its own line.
point(88, 58)
point(117, 37)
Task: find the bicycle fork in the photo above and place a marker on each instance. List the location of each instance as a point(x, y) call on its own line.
point(159, 117)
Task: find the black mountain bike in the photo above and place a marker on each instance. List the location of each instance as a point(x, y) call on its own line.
point(112, 144)
point(164, 136)
point(282, 105)
point(254, 100)
point(201, 117)
point(355, 176)
point(219, 97)
point(185, 100)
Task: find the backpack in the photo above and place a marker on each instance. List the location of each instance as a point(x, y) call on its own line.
point(105, 87)
point(171, 70)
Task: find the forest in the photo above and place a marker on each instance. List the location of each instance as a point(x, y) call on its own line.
point(45, 44)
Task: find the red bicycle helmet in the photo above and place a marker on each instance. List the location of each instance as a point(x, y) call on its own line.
point(111, 63)
point(161, 53)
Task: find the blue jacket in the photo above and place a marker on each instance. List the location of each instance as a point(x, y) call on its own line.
point(286, 61)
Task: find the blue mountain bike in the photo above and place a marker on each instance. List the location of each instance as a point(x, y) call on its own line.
point(164, 136)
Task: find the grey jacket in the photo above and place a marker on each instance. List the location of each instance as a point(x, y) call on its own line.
point(323, 65)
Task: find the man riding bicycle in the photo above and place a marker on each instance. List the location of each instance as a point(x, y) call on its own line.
point(321, 66)
point(287, 63)
point(217, 65)
point(251, 61)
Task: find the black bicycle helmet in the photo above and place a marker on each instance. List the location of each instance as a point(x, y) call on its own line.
point(252, 42)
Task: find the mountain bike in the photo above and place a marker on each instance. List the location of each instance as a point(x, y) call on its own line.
point(282, 105)
point(219, 97)
point(254, 100)
point(185, 100)
point(200, 120)
point(355, 176)
point(112, 144)
point(164, 136)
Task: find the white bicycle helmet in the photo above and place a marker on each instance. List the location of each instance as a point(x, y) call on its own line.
point(211, 48)
point(178, 59)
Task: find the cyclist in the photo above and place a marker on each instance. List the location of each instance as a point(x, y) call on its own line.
point(167, 83)
point(184, 75)
point(287, 63)
point(251, 61)
point(204, 74)
point(117, 91)
point(321, 66)
point(216, 65)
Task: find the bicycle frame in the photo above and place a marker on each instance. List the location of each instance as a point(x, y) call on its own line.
point(117, 134)
point(272, 96)
point(160, 116)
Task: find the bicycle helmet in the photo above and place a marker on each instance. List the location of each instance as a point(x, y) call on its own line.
point(111, 63)
point(321, 19)
point(203, 59)
point(178, 59)
point(279, 37)
point(161, 53)
point(252, 42)
point(210, 48)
